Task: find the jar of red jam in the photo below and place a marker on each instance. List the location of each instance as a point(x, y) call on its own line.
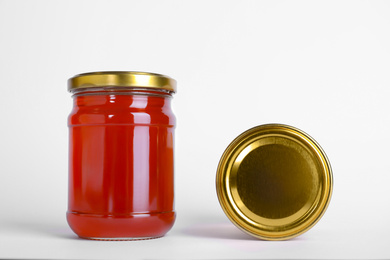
point(121, 155)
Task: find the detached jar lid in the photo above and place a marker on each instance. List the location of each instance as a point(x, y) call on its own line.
point(274, 182)
point(121, 79)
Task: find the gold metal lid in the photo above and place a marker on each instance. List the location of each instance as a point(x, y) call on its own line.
point(274, 182)
point(121, 79)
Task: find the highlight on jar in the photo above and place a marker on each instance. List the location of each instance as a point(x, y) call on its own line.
point(121, 155)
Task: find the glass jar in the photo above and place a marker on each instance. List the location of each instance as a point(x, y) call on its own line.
point(121, 155)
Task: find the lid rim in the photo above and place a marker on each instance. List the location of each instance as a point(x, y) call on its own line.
point(136, 79)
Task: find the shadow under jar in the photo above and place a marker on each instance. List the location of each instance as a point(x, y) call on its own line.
point(121, 155)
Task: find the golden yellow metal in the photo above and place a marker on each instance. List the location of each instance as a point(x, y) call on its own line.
point(274, 182)
point(121, 79)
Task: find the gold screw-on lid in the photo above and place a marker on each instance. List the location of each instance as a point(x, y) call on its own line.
point(121, 79)
point(274, 182)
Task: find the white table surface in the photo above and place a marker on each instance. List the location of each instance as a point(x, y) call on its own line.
point(195, 237)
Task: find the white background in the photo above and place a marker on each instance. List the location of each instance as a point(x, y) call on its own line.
point(323, 67)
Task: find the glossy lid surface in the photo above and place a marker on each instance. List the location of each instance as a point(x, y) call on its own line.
point(274, 182)
point(121, 79)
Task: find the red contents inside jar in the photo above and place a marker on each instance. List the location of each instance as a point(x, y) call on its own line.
point(121, 149)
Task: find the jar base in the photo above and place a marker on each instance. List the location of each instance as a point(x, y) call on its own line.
point(136, 226)
point(120, 238)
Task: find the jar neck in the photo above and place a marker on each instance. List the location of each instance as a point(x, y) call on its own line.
point(122, 91)
point(122, 98)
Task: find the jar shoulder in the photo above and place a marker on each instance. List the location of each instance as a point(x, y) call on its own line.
point(121, 110)
point(81, 117)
